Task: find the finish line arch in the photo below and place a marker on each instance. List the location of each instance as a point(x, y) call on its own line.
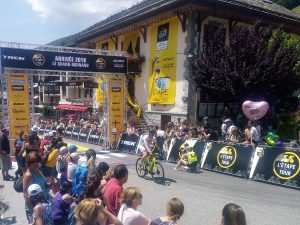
point(21, 62)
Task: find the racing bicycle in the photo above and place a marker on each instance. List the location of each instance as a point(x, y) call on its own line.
point(151, 166)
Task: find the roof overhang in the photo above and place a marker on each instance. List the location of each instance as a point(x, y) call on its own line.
point(79, 108)
point(160, 7)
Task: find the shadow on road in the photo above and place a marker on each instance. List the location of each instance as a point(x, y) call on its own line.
point(8, 221)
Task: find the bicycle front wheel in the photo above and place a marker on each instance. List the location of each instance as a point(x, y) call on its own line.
point(158, 173)
point(140, 167)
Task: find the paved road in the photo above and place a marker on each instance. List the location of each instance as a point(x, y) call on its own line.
point(203, 194)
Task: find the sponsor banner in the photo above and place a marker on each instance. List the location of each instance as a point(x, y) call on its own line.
point(90, 85)
point(227, 158)
point(18, 103)
point(130, 42)
point(116, 108)
point(47, 129)
point(276, 165)
point(94, 137)
point(163, 53)
point(128, 143)
point(75, 133)
point(83, 135)
point(60, 83)
point(173, 152)
point(53, 129)
point(50, 60)
point(68, 132)
point(101, 90)
point(42, 130)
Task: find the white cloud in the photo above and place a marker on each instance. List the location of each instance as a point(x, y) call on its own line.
point(65, 11)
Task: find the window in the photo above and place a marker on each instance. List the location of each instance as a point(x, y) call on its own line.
point(104, 46)
point(210, 30)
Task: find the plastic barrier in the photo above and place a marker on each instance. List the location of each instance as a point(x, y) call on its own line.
point(232, 159)
point(173, 151)
point(277, 166)
point(47, 129)
point(68, 132)
point(41, 130)
point(94, 137)
point(128, 143)
point(53, 129)
point(75, 133)
point(84, 134)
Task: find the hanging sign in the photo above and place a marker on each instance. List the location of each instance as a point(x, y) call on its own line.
point(163, 54)
point(116, 108)
point(50, 60)
point(18, 103)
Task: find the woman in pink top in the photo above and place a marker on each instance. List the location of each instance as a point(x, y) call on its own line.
point(131, 198)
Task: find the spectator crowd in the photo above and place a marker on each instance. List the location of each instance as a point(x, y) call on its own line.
point(59, 190)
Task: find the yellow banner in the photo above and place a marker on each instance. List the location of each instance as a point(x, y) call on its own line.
point(116, 108)
point(163, 49)
point(18, 96)
point(130, 41)
point(101, 90)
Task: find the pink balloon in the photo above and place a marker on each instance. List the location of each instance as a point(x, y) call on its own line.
point(255, 110)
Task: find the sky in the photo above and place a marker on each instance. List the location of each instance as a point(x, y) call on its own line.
point(43, 21)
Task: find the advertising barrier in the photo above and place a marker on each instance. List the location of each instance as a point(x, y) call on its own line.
point(173, 151)
point(75, 133)
point(47, 129)
point(84, 134)
point(128, 143)
point(41, 130)
point(232, 159)
point(276, 165)
point(94, 137)
point(53, 129)
point(68, 132)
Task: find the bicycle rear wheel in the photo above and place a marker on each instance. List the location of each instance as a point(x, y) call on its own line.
point(140, 167)
point(158, 173)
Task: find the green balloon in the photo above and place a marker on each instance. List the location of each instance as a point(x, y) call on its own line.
point(270, 141)
point(273, 136)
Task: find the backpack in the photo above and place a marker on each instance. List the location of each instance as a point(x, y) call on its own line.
point(18, 185)
point(79, 181)
point(61, 165)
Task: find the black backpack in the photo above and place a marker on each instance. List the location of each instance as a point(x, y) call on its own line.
point(18, 185)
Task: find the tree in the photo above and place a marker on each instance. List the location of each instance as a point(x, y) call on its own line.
point(289, 4)
point(256, 64)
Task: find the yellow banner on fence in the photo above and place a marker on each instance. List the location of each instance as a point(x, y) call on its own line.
point(163, 49)
point(18, 97)
point(101, 90)
point(116, 108)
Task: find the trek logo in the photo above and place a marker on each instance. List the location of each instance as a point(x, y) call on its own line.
point(129, 143)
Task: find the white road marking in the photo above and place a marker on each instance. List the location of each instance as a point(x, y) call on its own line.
point(102, 157)
point(118, 155)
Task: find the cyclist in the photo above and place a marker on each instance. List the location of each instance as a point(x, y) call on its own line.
point(187, 157)
point(147, 143)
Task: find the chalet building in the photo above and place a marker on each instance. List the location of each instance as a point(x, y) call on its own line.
point(159, 35)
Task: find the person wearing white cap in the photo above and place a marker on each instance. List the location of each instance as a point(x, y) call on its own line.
point(41, 207)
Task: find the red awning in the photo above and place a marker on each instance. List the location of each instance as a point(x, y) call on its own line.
point(79, 108)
